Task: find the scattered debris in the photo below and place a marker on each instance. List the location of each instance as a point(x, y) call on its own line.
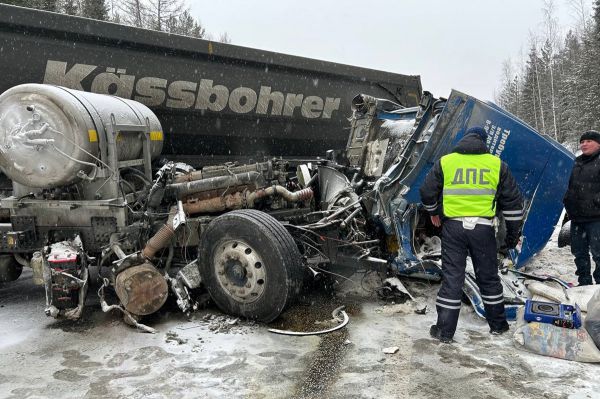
point(223, 324)
point(174, 337)
point(541, 278)
point(420, 308)
point(189, 327)
point(391, 350)
point(393, 289)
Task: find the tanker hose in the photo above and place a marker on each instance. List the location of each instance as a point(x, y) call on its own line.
point(162, 237)
point(157, 191)
point(138, 173)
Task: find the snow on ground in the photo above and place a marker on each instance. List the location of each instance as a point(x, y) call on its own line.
point(214, 355)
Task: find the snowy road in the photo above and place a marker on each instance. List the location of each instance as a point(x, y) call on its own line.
point(215, 356)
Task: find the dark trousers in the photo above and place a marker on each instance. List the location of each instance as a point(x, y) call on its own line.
point(480, 243)
point(585, 237)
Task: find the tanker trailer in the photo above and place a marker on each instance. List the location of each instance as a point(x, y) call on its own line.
point(81, 166)
point(79, 163)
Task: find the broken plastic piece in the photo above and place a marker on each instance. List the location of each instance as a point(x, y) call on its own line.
point(391, 350)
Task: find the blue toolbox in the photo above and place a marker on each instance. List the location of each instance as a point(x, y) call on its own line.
point(559, 314)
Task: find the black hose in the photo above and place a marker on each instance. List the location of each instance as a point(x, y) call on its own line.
point(137, 172)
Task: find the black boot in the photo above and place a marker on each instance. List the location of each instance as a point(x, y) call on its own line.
point(499, 331)
point(436, 333)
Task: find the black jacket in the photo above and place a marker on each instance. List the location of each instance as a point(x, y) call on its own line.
point(508, 199)
point(582, 200)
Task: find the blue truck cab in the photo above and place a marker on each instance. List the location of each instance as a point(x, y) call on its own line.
point(408, 141)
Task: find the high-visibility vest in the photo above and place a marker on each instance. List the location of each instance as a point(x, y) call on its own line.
point(470, 183)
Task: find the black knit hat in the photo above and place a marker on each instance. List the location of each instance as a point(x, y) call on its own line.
point(590, 135)
point(478, 130)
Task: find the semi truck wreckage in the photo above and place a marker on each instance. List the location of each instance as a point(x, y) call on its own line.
point(88, 190)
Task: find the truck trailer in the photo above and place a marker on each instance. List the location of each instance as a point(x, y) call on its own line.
point(216, 102)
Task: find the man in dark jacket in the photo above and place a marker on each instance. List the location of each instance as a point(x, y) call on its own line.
point(582, 202)
point(466, 189)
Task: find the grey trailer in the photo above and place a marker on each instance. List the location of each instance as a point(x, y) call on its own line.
point(217, 102)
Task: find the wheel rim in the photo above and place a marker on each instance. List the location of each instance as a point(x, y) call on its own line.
point(240, 271)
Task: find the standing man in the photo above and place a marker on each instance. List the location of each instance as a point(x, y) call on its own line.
point(465, 190)
point(582, 202)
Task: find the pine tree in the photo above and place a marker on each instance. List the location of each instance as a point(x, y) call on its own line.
point(508, 97)
point(95, 9)
point(48, 5)
point(22, 3)
point(185, 24)
point(529, 94)
point(592, 76)
point(70, 7)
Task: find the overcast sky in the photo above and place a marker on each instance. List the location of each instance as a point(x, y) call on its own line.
point(450, 43)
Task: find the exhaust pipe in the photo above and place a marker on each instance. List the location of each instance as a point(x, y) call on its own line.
point(162, 238)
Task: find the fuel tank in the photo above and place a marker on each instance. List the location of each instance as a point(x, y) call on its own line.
point(51, 136)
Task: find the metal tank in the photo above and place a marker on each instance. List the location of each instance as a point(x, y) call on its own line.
point(51, 136)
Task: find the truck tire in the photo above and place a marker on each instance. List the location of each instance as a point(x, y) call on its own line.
point(10, 269)
point(250, 265)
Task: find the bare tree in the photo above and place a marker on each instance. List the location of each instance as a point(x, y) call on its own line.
point(225, 38)
point(161, 11)
point(580, 12)
point(552, 39)
point(134, 13)
point(536, 74)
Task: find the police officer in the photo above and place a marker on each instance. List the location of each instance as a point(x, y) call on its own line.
point(466, 189)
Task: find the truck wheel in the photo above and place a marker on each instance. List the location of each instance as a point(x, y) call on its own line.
point(250, 264)
point(10, 269)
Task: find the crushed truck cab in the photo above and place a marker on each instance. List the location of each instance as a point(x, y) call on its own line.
point(410, 140)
